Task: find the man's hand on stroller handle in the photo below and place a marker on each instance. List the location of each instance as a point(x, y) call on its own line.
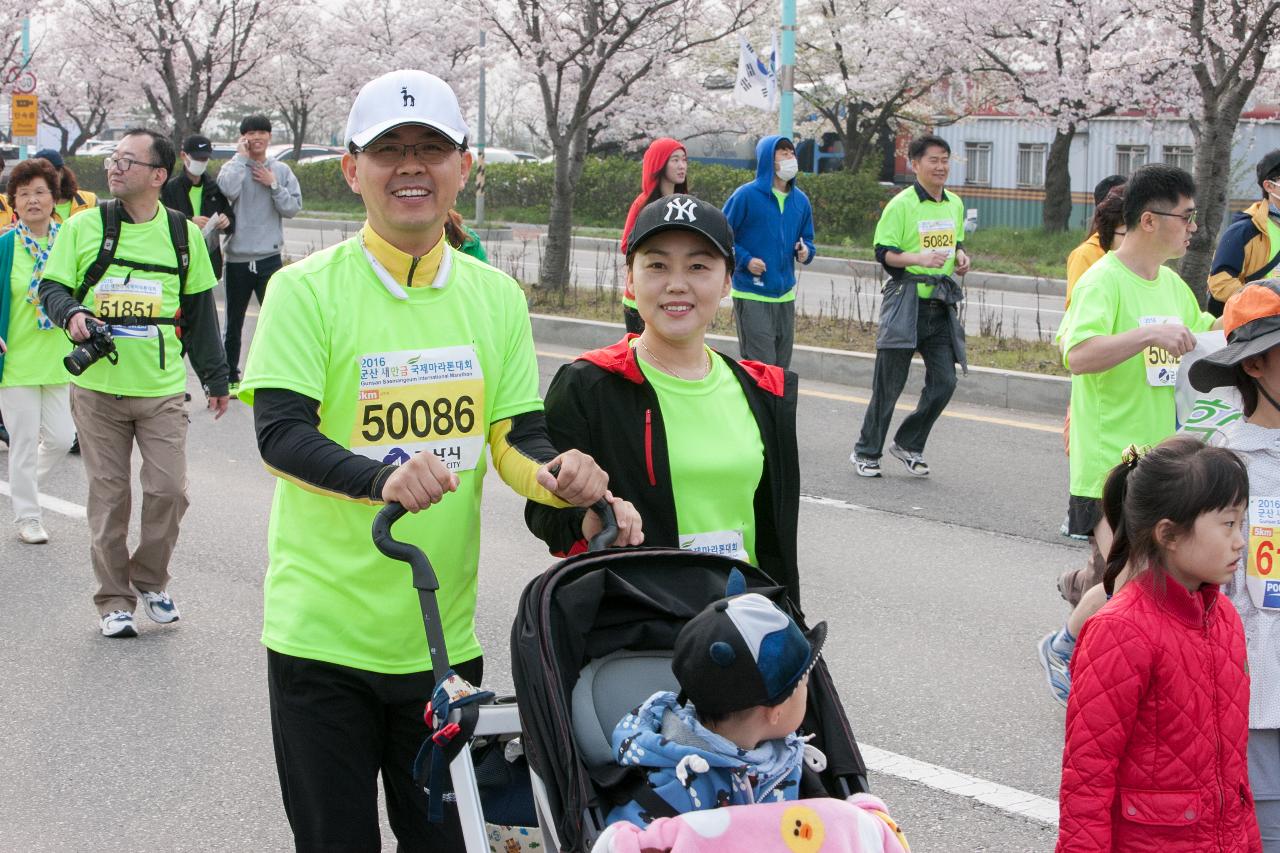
point(420, 482)
point(576, 480)
point(628, 518)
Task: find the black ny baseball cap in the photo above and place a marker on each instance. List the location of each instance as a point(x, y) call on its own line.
point(198, 146)
point(743, 651)
point(682, 212)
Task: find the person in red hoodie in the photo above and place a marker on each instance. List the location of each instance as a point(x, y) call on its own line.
point(665, 170)
point(1157, 720)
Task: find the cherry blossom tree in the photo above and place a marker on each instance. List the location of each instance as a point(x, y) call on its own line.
point(76, 93)
point(865, 65)
point(1042, 58)
point(1211, 55)
point(586, 57)
point(185, 56)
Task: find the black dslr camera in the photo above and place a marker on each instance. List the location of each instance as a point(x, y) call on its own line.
point(97, 346)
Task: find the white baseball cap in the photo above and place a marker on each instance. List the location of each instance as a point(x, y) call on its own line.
point(405, 97)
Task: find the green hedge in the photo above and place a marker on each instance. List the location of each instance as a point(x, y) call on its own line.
point(845, 205)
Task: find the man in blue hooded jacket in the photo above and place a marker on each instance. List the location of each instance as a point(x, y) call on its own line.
point(772, 229)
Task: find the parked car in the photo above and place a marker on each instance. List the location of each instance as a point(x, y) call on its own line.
point(319, 158)
point(284, 152)
point(96, 147)
point(507, 155)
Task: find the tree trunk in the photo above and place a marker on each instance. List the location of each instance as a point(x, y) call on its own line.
point(1057, 182)
point(1213, 183)
point(570, 152)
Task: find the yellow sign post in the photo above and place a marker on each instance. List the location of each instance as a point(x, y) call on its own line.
point(24, 116)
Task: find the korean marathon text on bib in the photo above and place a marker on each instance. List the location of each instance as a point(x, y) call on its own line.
point(416, 400)
point(1262, 568)
point(129, 297)
point(937, 234)
point(1161, 365)
point(726, 543)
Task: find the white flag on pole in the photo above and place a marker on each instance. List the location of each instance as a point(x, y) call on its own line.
point(757, 84)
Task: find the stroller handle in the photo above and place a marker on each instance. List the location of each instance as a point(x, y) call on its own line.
point(424, 580)
point(609, 531)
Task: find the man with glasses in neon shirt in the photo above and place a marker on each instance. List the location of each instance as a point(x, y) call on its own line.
point(1130, 321)
point(382, 369)
point(263, 193)
point(142, 295)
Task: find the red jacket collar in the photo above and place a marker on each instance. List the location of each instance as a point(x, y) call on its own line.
point(620, 358)
point(1191, 608)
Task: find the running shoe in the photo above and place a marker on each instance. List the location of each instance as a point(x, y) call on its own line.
point(914, 462)
point(160, 607)
point(118, 623)
point(32, 532)
point(1056, 668)
point(865, 466)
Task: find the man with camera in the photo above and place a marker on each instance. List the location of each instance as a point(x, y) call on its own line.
point(132, 285)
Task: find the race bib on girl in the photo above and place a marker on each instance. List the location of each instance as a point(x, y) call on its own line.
point(416, 400)
point(1262, 570)
point(726, 543)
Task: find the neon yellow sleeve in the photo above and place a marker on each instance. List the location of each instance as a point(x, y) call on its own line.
point(518, 470)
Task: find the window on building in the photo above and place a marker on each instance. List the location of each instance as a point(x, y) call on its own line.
point(1182, 156)
point(977, 164)
point(1031, 164)
point(1130, 157)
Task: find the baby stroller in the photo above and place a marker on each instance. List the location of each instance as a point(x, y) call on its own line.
point(592, 640)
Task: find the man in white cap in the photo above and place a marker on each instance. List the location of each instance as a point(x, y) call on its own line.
point(381, 369)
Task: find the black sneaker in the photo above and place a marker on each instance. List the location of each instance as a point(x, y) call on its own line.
point(4, 435)
point(75, 446)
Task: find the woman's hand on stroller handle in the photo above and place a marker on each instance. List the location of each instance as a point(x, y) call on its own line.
point(420, 482)
point(626, 517)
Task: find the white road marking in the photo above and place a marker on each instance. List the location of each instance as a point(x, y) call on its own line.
point(57, 505)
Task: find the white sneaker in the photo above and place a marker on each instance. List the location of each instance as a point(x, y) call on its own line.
point(160, 607)
point(118, 623)
point(32, 532)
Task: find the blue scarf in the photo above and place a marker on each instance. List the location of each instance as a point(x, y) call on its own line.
point(40, 256)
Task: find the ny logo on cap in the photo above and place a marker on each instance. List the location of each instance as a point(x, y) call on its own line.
point(409, 100)
point(681, 210)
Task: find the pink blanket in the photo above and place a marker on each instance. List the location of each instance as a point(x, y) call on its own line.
point(857, 825)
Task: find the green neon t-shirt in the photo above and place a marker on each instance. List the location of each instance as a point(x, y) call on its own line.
point(1133, 402)
point(717, 459)
point(35, 354)
point(782, 199)
point(393, 378)
point(911, 225)
point(63, 209)
point(125, 291)
point(196, 194)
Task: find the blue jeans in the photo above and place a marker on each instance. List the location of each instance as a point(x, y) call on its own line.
point(933, 342)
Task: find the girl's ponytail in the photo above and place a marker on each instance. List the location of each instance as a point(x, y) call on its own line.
point(1113, 499)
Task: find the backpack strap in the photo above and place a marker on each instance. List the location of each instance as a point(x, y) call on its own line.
point(181, 245)
point(110, 213)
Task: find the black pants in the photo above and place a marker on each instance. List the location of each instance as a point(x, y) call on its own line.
point(335, 729)
point(243, 280)
point(933, 341)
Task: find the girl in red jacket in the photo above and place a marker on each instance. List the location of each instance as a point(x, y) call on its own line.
point(665, 170)
point(1157, 720)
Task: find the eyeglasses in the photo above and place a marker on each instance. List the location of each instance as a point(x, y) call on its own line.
point(431, 153)
point(26, 194)
point(124, 164)
point(1188, 217)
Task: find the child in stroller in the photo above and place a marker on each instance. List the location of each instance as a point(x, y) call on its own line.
point(743, 668)
point(729, 739)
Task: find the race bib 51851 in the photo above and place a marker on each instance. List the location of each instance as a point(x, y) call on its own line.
point(129, 297)
point(416, 400)
point(937, 235)
point(1161, 365)
point(1262, 566)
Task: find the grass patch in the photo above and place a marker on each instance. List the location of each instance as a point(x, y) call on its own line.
point(834, 330)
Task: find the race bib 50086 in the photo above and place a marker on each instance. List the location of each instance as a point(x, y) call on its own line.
point(416, 400)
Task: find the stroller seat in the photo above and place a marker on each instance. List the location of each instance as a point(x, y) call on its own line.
point(608, 689)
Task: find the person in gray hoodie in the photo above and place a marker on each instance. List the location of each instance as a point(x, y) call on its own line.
point(263, 192)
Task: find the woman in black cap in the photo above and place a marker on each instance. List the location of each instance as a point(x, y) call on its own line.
point(703, 446)
point(69, 199)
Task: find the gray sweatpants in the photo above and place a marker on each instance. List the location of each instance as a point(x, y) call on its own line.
point(766, 330)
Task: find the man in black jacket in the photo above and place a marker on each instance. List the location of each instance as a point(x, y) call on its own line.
point(198, 199)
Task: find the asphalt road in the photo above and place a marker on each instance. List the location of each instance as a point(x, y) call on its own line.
point(1011, 314)
point(935, 591)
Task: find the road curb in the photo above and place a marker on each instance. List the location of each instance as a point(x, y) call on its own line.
point(984, 386)
point(1055, 287)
